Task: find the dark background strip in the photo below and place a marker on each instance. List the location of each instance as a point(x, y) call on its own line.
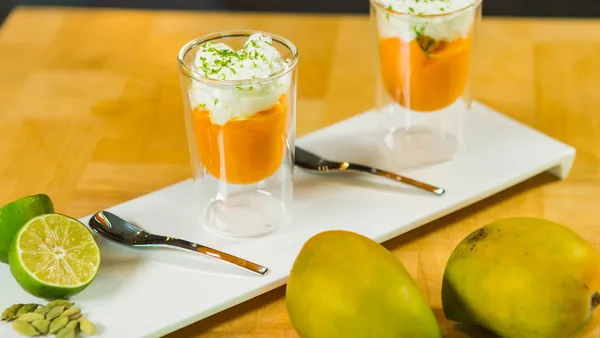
point(517, 8)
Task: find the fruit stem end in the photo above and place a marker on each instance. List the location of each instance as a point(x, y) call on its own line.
point(595, 299)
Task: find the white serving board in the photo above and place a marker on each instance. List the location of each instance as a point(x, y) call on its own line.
point(151, 292)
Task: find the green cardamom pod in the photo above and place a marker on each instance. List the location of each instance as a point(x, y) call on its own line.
point(55, 312)
point(30, 317)
point(74, 324)
point(24, 329)
point(72, 313)
point(67, 332)
point(42, 325)
point(42, 310)
point(26, 309)
point(58, 302)
point(75, 316)
point(58, 324)
point(11, 313)
point(87, 327)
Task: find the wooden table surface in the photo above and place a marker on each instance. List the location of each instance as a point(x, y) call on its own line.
point(91, 114)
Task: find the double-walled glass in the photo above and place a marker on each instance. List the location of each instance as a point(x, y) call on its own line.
point(423, 88)
point(242, 167)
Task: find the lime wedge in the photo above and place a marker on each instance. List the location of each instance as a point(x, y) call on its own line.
point(54, 256)
point(15, 214)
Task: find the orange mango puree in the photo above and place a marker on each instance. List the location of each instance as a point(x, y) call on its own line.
point(425, 75)
point(242, 151)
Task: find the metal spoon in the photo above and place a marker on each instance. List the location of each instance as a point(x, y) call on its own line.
point(119, 230)
point(312, 162)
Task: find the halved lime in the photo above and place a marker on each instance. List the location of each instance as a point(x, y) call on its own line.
point(54, 256)
point(15, 214)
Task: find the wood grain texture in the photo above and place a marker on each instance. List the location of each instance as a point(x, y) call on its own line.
point(91, 114)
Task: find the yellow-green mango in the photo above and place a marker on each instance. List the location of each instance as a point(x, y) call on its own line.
point(345, 285)
point(524, 278)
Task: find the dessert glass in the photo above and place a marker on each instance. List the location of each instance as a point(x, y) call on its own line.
point(241, 135)
point(423, 79)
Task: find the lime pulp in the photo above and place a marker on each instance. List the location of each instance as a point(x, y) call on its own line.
point(54, 256)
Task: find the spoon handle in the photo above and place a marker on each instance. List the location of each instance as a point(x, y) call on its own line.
point(242, 263)
point(358, 167)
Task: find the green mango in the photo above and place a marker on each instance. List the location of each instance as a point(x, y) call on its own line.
point(345, 285)
point(524, 278)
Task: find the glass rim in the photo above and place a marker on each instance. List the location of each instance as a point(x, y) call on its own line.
point(186, 48)
point(416, 15)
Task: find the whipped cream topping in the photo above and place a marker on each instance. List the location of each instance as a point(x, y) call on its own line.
point(258, 59)
point(457, 23)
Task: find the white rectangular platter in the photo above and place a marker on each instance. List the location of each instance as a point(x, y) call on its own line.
point(151, 292)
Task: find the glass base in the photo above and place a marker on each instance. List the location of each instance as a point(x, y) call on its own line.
point(246, 214)
point(420, 146)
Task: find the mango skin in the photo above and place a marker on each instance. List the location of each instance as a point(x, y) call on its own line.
point(345, 285)
point(524, 277)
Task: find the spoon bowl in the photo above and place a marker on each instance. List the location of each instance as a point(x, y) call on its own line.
point(121, 231)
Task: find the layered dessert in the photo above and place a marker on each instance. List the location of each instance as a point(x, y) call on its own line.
point(240, 128)
point(425, 50)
